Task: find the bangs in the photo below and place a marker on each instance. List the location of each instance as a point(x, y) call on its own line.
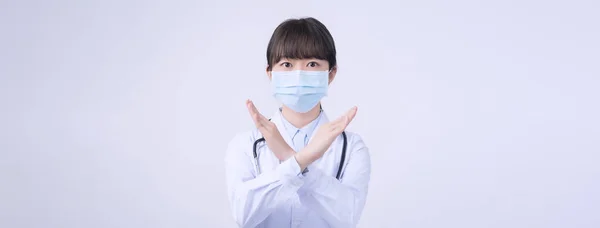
point(301, 39)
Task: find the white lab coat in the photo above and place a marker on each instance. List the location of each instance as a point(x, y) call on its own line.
point(280, 196)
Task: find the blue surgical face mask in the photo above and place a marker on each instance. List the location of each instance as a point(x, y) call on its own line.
point(300, 90)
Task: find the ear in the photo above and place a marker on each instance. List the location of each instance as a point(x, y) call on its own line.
point(332, 73)
point(268, 73)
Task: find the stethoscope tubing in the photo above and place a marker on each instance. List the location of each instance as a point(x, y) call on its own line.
point(339, 172)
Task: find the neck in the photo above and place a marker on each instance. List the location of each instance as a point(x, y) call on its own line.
point(300, 120)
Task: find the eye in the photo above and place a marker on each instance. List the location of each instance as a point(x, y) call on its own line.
point(286, 64)
point(313, 64)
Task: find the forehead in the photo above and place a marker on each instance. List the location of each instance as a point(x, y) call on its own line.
point(301, 60)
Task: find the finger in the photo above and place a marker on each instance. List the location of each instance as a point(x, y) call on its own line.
point(333, 126)
point(251, 107)
point(351, 114)
point(256, 117)
point(346, 117)
point(345, 120)
point(339, 120)
point(342, 125)
point(251, 111)
point(338, 125)
point(264, 122)
point(261, 123)
point(261, 118)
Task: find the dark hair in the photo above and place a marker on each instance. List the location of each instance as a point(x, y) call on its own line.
point(300, 39)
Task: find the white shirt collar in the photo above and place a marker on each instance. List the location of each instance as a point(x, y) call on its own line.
point(289, 131)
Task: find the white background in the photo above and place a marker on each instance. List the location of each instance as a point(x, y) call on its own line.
point(477, 114)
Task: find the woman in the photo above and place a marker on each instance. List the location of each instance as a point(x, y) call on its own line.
point(298, 169)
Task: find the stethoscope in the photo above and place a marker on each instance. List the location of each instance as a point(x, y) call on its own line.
point(339, 173)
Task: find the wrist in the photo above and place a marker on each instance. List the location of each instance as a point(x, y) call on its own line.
point(285, 155)
point(304, 159)
point(289, 153)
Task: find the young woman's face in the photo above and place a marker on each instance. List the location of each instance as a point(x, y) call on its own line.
point(301, 64)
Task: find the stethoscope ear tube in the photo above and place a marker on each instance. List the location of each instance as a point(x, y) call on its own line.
point(254, 147)
point(256, 155)
point(339, 172)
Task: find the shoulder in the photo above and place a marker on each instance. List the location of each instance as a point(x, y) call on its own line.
point(244, 136)
point(356, 142)
point(357, 151)
point(243, 141)
point(354, 138)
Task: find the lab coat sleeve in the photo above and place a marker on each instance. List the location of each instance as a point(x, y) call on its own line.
point(340, 203)
point(253, 198)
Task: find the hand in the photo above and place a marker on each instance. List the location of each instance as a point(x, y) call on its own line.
point(269, 131)
point(323, 138)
